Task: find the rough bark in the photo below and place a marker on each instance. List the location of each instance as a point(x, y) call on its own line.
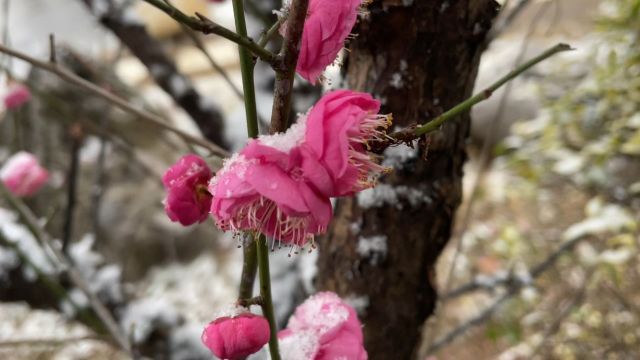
point(149, 51)
point(434, 46)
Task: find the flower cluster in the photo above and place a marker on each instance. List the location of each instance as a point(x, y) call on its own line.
point(328, 24)
point(324, 327)
point(281, 184)
point(23, 175)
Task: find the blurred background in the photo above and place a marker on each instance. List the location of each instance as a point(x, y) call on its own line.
point(544, 262)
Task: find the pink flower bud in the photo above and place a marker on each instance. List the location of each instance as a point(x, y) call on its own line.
point(17, 96)
point(237, 334)
point(328, 24)
point(187, 200)
point(23, 175)
point(323, 328)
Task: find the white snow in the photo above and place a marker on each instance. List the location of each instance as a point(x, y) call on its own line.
point(178, 85)
point(396, 156)
point(301, 345)
point(373, 248)
point(608, 218)
point(143, 315)
point(385, 194)
point(25, 242)
point(289, 139)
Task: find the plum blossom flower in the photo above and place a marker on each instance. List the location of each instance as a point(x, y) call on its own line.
point(23, 175)
point(236, 333)
point(328, 24)
point(17, 96)
point(281, 184)
point(187, 200)
point(339, 128)
point(263, 189)
point(324, 327)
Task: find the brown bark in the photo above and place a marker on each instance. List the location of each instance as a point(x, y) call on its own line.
point(435, 46)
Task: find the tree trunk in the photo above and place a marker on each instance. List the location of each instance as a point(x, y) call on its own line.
point(419, 57)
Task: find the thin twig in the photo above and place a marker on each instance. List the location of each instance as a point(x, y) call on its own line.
point(72, 184)
point(412, 133)
point(492, 284)
point(31, 221)
point(511, 290)
point(219, 69)
point(285, 72)
point(49, 342)
point(268, 34)
point(114, 99)
point(202, 24)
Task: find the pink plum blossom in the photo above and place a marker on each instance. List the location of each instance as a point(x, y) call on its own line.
point(187, 200)
point(328, 24)
point(17, 96)
point(281, 184)
point(263, 189)
point(339, 128)
point(324, 327)
point(237, 333)
point(23, 175)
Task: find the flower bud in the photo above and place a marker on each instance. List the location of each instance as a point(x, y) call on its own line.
point(23, 175)
point(237, 334)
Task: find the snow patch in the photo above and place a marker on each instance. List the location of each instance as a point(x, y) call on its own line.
point(373, 248)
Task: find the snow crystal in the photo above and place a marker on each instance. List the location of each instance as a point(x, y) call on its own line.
point(397, 156)
point(396, 81)
point(131, 18)
point(186, 345)
point(385, 194)
point(299, 345)
point(231, 310)
point(373, 248)
point(143, 315)
point(105, 281)
point(358, 303)
point(8, 261)
point(308, 269)
point(324, 313)
point(24, 240)
point(289, 139)
point(610, 218)
point(100, 8)
point(179, 85)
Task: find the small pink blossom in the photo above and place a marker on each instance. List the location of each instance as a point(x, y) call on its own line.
point(324, 327)
point(263, 189)
point(23, 175)
point(236, 334)
point(281, 184)
point(339, 128)
point(17, 96)
point(328, 24)
point(187, 200)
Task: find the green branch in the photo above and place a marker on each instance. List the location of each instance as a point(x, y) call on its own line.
point(413, 133)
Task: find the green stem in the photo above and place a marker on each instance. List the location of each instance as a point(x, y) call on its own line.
point(256, 253)
point(265, 294)
point(249, 270)
point(246, 67)
point(484, 95)
point(206, 26)
point(250, 262)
